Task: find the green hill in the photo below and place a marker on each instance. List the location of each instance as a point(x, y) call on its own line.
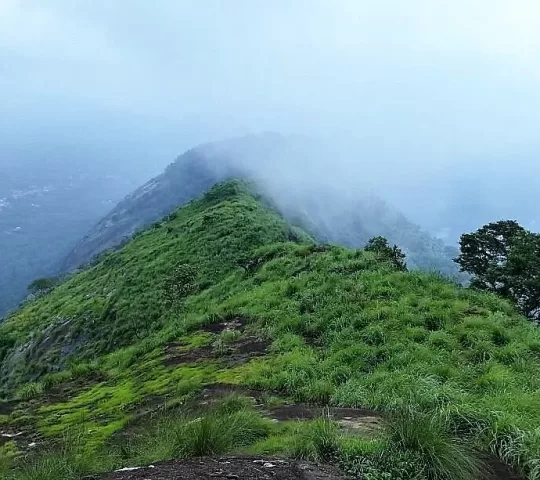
point(219, 328)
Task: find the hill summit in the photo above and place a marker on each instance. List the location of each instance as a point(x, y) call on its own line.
point(224, 330)
point(294, 172)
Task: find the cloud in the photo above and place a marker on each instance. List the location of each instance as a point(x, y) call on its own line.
point(425, 80)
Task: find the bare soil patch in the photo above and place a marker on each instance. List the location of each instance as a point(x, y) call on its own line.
point(360, 420)
point(230, 467)
point(500, 471)
point(235, 353)
point(217, 391)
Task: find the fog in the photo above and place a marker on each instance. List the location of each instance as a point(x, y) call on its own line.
point(433, 104)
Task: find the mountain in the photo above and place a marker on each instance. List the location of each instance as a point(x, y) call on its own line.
point(223, 329)
point(181, 182)
point(292, 172)
point(45, 207)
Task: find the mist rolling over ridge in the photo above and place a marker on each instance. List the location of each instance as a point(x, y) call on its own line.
point(429, 107)
point(423, 97)
point(293, 174)
point(287, 239)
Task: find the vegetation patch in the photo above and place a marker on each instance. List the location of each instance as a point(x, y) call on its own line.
point(416, 374)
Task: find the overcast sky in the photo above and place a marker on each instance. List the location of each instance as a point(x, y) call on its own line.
point(423, 83)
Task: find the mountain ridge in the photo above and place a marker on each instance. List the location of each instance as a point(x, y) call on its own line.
point(222, 322)
point(281, 167)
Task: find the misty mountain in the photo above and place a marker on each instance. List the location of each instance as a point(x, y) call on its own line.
point(288, 171)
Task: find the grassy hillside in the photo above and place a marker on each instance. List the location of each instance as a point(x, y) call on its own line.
point(217, 328)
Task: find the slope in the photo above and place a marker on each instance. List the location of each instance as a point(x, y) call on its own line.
point(224, 329)
point(289, 171)
point(117, 301)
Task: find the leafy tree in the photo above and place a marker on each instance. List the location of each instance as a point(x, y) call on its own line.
point(484, 254)
point(523, 268)
point(394, 255)
point(504, 258)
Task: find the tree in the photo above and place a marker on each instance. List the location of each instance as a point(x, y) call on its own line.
point(484, 254)
point(523, 269)
point(393, 255)
point(504, 258)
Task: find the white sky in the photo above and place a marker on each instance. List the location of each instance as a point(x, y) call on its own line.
point(431, 79)
point(415, 88)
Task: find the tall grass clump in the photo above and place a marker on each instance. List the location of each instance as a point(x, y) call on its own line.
point(429, 437)
point(221, 430)
point(518, 448)
point(316, 441)
point(67, 459)
point(30, 390)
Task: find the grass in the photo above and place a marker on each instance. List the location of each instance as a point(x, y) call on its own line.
point(66, 458)
point(346, 330)
point(30, 390)
point(429, 438)
point(226, 427)
point(187, 436)
point(318, 441)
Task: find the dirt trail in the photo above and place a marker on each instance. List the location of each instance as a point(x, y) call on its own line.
point(229, 467)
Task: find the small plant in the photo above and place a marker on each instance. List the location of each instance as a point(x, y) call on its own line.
point(228, 336)
point(233, 403)
point(224, 340)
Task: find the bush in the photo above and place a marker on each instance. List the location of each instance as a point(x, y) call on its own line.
point(181, 283)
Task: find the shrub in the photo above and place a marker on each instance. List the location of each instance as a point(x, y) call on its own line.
point(181, 283)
